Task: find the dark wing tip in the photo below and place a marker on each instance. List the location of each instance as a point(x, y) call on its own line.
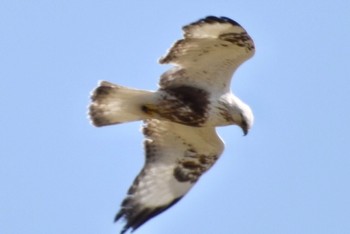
point(214, 19)
point(135, 215)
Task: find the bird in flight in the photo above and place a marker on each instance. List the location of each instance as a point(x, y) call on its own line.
point(180, 117)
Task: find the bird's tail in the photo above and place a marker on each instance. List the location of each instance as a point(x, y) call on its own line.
point(112, 104)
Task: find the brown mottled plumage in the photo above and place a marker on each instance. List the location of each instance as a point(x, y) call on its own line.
point(180, 117)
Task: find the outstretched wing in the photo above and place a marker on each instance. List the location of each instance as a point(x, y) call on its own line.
point(209, 53)
point(176, 156)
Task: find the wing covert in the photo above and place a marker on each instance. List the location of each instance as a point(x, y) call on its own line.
point(209, 53)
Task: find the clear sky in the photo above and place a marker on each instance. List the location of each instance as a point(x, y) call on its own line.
point(60, 175)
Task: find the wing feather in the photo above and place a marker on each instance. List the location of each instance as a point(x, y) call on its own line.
point(176, 156)
point(209, 53)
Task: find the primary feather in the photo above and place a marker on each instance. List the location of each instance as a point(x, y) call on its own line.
point(176, 156)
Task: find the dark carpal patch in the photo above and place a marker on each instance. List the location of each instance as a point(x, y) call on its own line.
point(192, 166)
point(240, 39)
point(182, 104)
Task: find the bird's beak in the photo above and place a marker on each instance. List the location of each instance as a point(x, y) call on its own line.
point(245, 128)
point(245, 131)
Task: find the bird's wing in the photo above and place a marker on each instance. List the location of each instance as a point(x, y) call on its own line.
point(176, 156)
point(209, 53)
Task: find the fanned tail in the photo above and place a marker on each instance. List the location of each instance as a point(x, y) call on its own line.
point(113, 104)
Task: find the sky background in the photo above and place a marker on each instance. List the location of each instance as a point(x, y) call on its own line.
point(60, 175)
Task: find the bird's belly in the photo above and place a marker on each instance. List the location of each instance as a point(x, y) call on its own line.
point(183, 113)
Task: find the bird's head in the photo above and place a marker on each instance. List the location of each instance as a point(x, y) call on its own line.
point(242, 115)
point(247, 119)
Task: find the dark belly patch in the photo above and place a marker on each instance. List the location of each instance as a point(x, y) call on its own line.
point(183, 104)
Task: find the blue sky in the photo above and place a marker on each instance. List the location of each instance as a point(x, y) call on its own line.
point(58, 174)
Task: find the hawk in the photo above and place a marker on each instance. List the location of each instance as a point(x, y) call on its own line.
point(180, 117)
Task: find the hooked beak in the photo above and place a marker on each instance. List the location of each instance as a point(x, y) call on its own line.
point(245, 128)
point(245, 131)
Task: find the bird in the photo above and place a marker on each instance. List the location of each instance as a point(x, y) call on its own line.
point(180, 117)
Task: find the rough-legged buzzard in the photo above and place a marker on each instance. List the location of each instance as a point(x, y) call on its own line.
point(179, 118)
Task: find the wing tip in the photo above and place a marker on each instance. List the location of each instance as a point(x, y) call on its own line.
point(135, 215)
point(212, 20)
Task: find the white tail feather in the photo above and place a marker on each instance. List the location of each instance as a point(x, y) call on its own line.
point(112, 104)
